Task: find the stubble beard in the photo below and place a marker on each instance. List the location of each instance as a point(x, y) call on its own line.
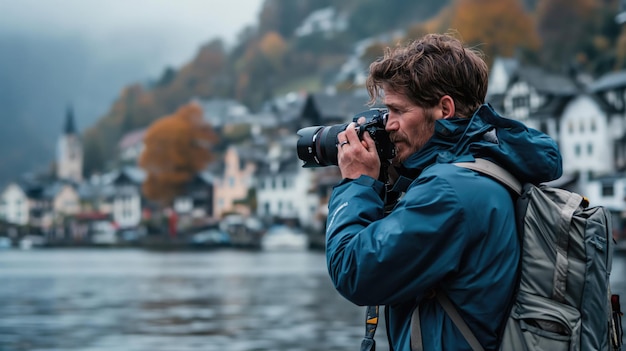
point(425, 132)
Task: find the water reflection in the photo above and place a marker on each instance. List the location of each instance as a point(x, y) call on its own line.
point(135, 300)
point(138, 301)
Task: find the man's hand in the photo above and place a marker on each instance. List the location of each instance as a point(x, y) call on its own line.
point(357, 157)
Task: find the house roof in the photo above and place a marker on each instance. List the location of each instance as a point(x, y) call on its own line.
point(608, 81)
point(52, 190)
point(334, 108)
point(88, 190)
point(552, 108)
point(287, 163)
point(44, 189)
point(205, 177)
point(546, 82)
point(220, 111)
point(133, 174)
point(509, 64)
point(132, 138)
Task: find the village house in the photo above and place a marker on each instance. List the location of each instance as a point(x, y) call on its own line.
point(262, 177)
point(232, 188)
point(283, 187)
point(14, 207)
point(131, 146)
point(586, 117)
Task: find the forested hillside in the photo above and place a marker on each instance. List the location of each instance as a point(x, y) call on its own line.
point(270, 60)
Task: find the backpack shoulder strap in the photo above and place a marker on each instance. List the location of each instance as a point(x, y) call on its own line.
point(507, 179)
point(496, 172)
point(453, 313)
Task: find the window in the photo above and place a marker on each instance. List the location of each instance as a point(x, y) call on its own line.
point(607, 190)
point(266, 207)
point(577, 150)
point(558, 128)
point(520, 101)
point(590, 149)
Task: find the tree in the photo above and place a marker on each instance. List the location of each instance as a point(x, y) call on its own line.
point(177, 147)
point(565, 26)
point(273, 47)
point(496, 27)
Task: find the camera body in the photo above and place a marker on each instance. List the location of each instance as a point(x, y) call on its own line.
point(317, 145)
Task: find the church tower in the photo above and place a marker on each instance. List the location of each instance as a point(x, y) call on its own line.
point(70, 151)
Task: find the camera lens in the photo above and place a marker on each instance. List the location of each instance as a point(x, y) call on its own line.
point(317, 145)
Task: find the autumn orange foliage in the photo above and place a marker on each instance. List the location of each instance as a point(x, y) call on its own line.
point(496, 27)
point(177, 147)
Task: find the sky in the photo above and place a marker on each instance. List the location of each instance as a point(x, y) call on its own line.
point(162, 32)
point(80, 54)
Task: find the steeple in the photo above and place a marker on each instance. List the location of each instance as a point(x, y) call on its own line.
point(69, 121)
point(69, 151)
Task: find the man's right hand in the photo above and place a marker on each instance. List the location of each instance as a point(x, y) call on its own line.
point(357, 157)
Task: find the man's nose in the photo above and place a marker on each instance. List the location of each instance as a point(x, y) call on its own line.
point(392, 123)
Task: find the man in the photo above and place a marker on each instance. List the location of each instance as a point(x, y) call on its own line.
point(453, 230)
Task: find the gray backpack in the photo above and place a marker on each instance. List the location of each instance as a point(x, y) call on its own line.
point(563, 299)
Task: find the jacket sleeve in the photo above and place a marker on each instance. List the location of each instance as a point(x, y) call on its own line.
point(374, 260)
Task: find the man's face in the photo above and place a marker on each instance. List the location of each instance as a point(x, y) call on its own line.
point(409, 126)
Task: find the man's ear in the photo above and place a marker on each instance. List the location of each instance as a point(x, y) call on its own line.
point(446, 104)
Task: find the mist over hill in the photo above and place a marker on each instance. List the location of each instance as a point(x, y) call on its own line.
point(40, 77)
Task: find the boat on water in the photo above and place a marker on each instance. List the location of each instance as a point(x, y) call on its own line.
point(284, 238)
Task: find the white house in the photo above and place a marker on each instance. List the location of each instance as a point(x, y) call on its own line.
point(610, 192)
point(14, 205)
point(283, 187)
point(127, 200)
point(586, 139)
point(588, 121)
point(500, 75)
point(610, 91)
point(537, 97)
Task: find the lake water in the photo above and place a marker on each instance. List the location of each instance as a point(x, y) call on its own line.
point(134, 300)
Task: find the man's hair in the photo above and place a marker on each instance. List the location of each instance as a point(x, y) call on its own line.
point(429, 68)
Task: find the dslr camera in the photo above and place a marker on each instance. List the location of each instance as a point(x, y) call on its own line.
point(317, 145)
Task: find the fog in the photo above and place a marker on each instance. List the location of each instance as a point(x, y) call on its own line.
point(81, 53)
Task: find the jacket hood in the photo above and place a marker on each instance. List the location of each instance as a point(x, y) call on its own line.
point(530, 155)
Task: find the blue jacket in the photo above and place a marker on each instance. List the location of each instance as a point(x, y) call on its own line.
point(453, 229)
